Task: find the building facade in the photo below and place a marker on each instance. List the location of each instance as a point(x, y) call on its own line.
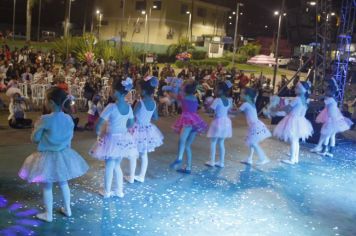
point(155, 24)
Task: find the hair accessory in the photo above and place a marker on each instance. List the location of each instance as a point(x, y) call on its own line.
point(127, 83)
point(228, 84)
point(153, 81)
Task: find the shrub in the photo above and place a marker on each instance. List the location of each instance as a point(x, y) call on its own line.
point(198, 54)
point(64, 46)
point(250, 49)
point(241, 58)
point(165, 58)
point(183, 45)
point(80, 46)
point(181, 64)
point(203, 63)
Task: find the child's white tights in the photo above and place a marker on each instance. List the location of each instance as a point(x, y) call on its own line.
point(48, 201)
point(112, 167)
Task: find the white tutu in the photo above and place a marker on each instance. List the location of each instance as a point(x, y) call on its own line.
point(336, 125)
point(220, 128)
point(115, 146)
point(51, 166)
point(293, 126)
point(257, 132)
point(147, 137)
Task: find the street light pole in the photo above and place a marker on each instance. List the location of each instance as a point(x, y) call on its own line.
point(189, 26)
point(99, 17)
point(235, 34)
point(13, 20)
point(281, 13)
point(39, 20)
point(67, 19)
point(145, 34)
point(148, 25)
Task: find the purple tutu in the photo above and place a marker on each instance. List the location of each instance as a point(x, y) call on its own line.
point(115, 146)
point(147, 137)
point(257, 132)
point(190, 119)
point(293, 127)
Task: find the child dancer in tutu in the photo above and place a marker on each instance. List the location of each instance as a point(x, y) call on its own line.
point(147, 135)
point(220, 128)
point(257, 131)
point(295, 126)
point(333, 122)
point(54, 160)
point(188, 125)
point(116, 142)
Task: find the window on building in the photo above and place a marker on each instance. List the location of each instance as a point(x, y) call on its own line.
point(157, 5)
point(201, 12)
point(140, 5)
point(183, 9)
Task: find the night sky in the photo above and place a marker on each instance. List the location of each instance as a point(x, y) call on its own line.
point(257, 14)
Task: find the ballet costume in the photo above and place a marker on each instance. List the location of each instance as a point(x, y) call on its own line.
point(147, 137)
point(187, 125)
point(333, 122)
point(256, 133)
point(190, 117)
point(220, 129)
point(293, 127)
point(116, 143)
point(54, 161)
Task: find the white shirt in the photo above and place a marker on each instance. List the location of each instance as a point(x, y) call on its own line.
point(94, 109)
point(16, 107)
point(298, 107)
point(26, 77)
point(250, 112)
point(332, 108)
point(219, 107)
point(117, 122)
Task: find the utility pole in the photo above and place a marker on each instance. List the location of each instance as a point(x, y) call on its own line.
point(13, 20)
point(85, 18)
point(39, 20)
point(67, 18)
point(235, 34)
point(281, 13)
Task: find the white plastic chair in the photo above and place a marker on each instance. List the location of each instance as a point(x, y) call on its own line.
point(24, 89)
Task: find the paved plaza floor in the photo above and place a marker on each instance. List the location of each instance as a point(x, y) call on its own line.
point(316, 197)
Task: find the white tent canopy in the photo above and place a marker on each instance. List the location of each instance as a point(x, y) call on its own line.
point(262, 60)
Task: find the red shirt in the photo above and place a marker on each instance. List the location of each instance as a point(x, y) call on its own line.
point(63, 86)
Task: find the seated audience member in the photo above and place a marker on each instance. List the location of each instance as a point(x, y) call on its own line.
point(17, 118)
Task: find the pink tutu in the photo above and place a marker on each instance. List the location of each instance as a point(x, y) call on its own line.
point(147, 137)
point(115, 146)
point(190, 119)
point(51, 166)
point(257, 132)
point(336, 125)
point(220, 128)
point(322, 116)
point(291, 127)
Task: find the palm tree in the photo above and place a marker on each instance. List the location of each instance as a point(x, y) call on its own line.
point(29, 6)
